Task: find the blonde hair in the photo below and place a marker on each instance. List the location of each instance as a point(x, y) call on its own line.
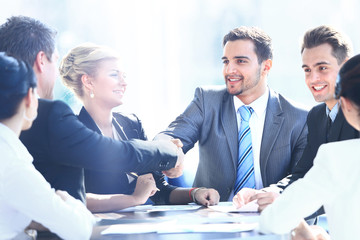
point(83, 60)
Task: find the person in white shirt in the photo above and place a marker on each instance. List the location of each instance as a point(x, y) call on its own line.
point(333, 179)
point(25, 196)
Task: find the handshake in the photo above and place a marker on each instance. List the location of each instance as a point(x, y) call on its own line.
point(177, 171)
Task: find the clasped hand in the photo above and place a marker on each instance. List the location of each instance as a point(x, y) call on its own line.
point(177, 171)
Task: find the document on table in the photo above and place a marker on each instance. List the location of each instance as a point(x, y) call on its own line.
point(159, 208)
point(173, 227)
point(129, 229)
point(229, 207)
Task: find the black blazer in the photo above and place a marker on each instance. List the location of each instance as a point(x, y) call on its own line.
point(62, 147)
point(107, 182)
point(316, 122)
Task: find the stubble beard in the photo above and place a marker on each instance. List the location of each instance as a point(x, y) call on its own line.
point(243, 87)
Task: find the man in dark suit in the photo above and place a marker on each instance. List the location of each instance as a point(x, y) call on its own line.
point(278, 128)
point(60, 144)
point(324, 50)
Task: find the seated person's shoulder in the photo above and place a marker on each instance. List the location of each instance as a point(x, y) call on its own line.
point(129, 118)
point(53, 104)
point(212, 89)
point(54, 111)
point(211, 93)
point(333, 155)
point(296, 107)
point(56, 107)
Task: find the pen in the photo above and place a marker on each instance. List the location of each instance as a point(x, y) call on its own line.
point(135, 176)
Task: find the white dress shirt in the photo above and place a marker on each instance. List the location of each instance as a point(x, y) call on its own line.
point(333, 181)
point(25, 196)
point(256, 124)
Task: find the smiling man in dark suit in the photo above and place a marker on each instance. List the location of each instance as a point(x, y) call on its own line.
point(277, 125)
point(324, 50)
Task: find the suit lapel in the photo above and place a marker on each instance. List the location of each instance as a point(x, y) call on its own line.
point(119, 129)
point(87, 120)
point(272, 126)
point(229, 124)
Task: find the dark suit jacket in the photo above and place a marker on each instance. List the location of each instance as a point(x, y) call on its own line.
point(210, 119)
point(62, 147)
point(109, 182)
point(316, 122)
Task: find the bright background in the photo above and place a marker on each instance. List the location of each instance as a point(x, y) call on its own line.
point(169, 47)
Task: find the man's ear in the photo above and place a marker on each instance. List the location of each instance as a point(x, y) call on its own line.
point(39, 63)
point(345, 60)
point(267, 64)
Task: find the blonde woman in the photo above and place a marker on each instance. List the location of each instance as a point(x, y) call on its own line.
point(94, 74)
point(25, 196)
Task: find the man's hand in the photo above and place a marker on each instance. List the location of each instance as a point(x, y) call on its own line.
point(306, 232)
point(264, 199)
point(145, 188)
point(177, 171)
point(243, 197)
point(207, 196)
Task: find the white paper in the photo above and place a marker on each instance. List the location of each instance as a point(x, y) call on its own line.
point(193, 228)
point(229, 207)
point(173, 227)
point(130, 229)
point(158, 208)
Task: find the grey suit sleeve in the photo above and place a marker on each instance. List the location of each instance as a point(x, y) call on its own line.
point(296, 155)
point(299, 147)
point(187, 126)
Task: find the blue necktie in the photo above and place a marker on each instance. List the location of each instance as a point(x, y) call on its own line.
point(245, 167)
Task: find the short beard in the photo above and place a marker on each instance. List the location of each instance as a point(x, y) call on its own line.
point(236, 93)
point(258, 74)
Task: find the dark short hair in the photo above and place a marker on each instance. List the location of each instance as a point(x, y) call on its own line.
point(16, 78)
point(24, 37)
point(348, 82)
point(262, 41)
point(341, 46)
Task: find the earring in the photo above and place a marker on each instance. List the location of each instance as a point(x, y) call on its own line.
point(92, 94)
point(29, 119)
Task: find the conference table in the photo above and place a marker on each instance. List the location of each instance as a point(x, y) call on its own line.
point(177, 222)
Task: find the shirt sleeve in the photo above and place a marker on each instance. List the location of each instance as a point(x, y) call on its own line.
point(300, 199)
point(28, 192)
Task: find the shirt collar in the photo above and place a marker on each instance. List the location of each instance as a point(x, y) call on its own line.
point(259, 105)
point(333, 112)
point(9, 137)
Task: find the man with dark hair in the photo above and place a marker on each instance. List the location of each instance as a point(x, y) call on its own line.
point(23, 37)
point(60, 144)
point(254, 146)
point(324, 50)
